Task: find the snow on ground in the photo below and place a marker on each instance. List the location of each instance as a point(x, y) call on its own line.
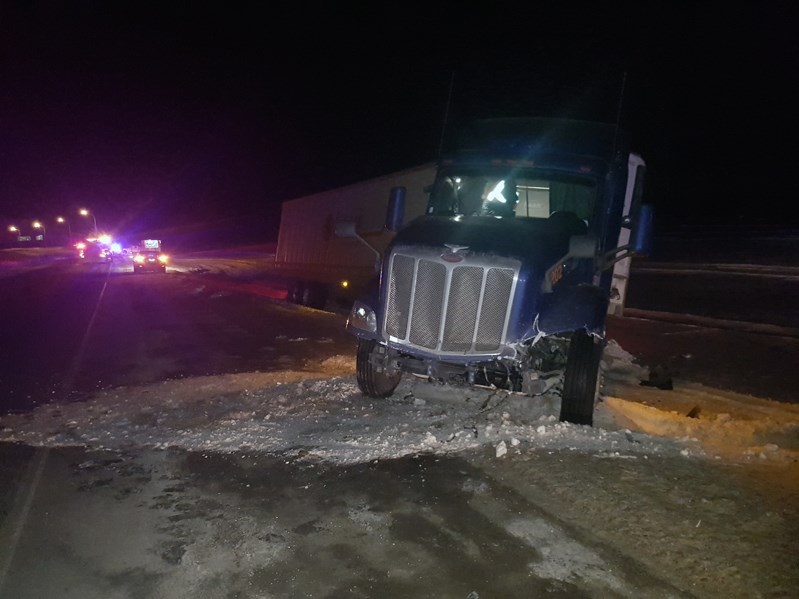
point(320, 413)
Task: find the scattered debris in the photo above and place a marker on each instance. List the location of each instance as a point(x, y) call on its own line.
point(501, 449)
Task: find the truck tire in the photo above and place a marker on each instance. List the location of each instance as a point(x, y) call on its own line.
point(371, 381)
point(581, 381)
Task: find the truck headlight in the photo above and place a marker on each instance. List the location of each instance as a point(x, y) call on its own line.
point(362, 317)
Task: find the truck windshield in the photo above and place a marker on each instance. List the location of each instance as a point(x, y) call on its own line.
point(533, 195)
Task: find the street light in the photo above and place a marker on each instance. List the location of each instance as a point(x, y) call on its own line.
point(13, 229)
point(37, 225)
point(85, 212)
point(62, 220)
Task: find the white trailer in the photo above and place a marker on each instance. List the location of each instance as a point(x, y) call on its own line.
point(319, 265)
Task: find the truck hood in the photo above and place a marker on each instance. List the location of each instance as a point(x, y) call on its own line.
point(537, 242)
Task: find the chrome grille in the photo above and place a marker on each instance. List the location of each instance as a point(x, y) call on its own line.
point(499, 282)
point(428, 300)
point(459, 308)
point(464, 301)
point(399, 298)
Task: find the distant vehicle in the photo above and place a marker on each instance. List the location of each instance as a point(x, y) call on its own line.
point(92, 252)
point(150, 261)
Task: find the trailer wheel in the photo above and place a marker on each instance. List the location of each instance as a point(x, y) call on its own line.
point(372, 380)
point(581, 381)
point(314, 295)
point(296, 291)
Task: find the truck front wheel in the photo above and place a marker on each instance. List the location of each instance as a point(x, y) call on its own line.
point(373, 379)
point(581, 381)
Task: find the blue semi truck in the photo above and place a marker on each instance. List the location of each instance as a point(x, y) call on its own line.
point(506, 278)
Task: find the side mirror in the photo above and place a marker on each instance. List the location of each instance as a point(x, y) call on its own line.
point(396, 209)
point(347, 229)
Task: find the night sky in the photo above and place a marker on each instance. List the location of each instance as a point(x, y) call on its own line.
point(178, 114)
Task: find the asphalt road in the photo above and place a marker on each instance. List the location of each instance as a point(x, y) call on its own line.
point(743, 293)
point(728, 326)
point(71, 329)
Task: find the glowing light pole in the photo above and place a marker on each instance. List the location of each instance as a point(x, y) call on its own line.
point(37, 225)
point(62, 220)
point(85, 212)
point(13, 229)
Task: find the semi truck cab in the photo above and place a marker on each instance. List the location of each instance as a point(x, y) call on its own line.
point(506, 279)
